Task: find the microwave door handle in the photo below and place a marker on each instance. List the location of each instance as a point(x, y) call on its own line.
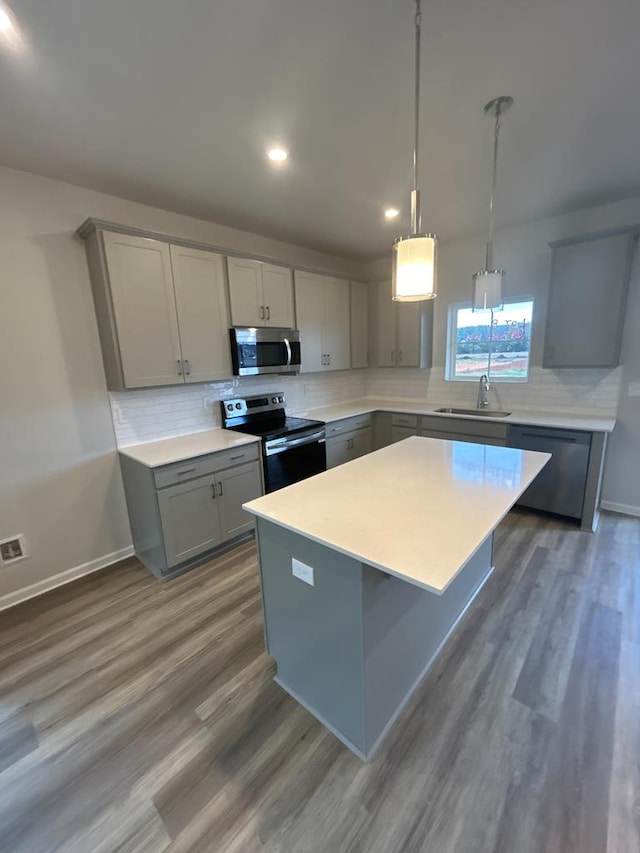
point(288, 346)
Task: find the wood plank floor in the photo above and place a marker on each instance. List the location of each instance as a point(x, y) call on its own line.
point(142, 716)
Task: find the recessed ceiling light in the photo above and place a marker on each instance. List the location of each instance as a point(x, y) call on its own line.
point(9, 30)
point(5, 21)
point(391, 213)
point(278, 155)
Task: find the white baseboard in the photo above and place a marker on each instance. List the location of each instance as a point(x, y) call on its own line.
point(35, 589)
point(623, 509)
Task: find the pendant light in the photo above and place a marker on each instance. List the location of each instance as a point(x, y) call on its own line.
point(414, 257)
point(487, 284)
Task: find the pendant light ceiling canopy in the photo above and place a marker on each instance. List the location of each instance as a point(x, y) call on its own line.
point(487, 284)
point(414, 258)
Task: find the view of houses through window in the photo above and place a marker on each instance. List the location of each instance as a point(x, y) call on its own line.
point(494, 342)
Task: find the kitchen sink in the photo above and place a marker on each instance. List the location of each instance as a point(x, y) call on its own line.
point(477, 413)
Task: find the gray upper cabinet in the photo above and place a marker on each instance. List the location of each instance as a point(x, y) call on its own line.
point(162, 310)
point(587, 300)
point(404, 330)
point(322, 312)
point(261, 294)
point(359, 324)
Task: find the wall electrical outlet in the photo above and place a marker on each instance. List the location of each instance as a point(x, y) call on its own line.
point(634, 389)
point(12, 550)
point(302, 571)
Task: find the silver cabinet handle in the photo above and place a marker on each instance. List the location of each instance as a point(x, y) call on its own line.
point(268, 313)
point(233, 458)
point(329, 357)
point(213, 491)
point(220, 492)
point(393, 356)
point(262, 312)
point(400, 356)
point(187, 369)
point(180, 373)
point(186, 471)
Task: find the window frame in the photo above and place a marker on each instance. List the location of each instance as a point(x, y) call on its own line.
point(450, 360)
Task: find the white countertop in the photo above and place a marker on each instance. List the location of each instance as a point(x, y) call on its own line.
point(168, 450)
point(418, 509)
point(559, 420)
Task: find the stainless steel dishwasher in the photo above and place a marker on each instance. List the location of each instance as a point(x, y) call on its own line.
point(560, 486)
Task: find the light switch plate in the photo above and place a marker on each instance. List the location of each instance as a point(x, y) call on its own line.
point(302, 571)
point(634, 389)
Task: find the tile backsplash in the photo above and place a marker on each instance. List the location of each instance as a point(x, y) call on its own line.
point(589, 391)
point(154, 413)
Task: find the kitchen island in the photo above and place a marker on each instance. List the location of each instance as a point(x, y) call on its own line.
point(367, 568)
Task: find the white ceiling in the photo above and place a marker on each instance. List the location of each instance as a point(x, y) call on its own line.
point(173, 103)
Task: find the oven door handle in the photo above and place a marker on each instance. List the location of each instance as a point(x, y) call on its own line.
point(288, 346)
point(287, 444)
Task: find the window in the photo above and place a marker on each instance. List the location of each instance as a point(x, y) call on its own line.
point(496, 342)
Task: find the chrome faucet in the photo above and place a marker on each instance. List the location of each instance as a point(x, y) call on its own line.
point(483, 401)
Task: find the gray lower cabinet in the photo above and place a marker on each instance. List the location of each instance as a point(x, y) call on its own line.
point(399, 433)
point(464, 429)
point(403, 426)
point(348, 446)
point(189, 519)
point(180, 513)
point(235, 487)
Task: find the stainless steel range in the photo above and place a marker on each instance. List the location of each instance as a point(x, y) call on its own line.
point(292, 448)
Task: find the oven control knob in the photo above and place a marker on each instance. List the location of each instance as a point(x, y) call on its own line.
point(274, 399)
point(281, 399)
point(238, 405)
point(229, 407)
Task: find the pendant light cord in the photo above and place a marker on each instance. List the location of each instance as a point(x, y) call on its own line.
point(496, 137)
point(416, 223)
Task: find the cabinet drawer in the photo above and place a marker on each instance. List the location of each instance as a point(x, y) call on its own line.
point(465, 426)
point(181, 472)
point(455, 436)
point(347, 425)
point(237, 456)
point(399, 420)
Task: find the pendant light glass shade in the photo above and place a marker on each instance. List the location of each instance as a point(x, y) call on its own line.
point(414, 263)
point(414, 258)
point(487, 290)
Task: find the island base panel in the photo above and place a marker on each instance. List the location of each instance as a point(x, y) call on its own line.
point(353, 647)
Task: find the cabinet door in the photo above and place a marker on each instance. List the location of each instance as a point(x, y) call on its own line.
point(337, 326)
point(361, 442)
point(587, 301)
point(144, 308)
point(399, 433)
point(245, 292)
point(203, 314)
point(408, 341)
point(339, 450)
point(277, 289)
point(189, 516)
point(359, 324)
point(310, 315)
point(236, 486)
point(386, 326)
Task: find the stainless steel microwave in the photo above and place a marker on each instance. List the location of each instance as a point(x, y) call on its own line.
point(267, 350)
